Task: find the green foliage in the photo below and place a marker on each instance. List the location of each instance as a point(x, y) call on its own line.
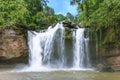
point(43, 20)
point(35, 6)
point(70, 16)
point(68, 33)
point(47, 17)
point(60, 17)
point(48, 11)
point(12, 12)
point(77, 19)
point(101, 16)
point(28, 14)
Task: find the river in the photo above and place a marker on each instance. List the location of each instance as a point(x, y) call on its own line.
point(9, 72)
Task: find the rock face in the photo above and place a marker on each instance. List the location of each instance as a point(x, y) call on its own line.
point(70, 25)
point(104, 68)
point(113, 58)
point(13, 45)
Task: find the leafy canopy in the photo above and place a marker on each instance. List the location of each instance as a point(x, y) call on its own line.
point(102, 17)
point(30, 14)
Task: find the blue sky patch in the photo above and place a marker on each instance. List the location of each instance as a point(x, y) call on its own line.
point(62, 7)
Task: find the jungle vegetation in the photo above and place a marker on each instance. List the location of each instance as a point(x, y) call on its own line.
point(102, 17)
point(30, 14)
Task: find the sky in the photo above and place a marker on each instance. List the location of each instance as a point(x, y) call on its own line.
point(62, 7)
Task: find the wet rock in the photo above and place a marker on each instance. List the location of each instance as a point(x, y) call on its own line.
point(104, 68)
point(13, 45)
point(70, 25)
point(114, 61)
point(112, 57)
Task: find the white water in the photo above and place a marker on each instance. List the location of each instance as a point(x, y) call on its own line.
point(81, 49)
point(35, 50)
point(87, 56)
point(41, 46)
point(47, 49)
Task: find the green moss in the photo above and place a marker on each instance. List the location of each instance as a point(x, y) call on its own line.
point(68, 33)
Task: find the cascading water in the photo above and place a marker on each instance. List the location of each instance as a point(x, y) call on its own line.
point(80, 49)
point(87, 56)
point(47, 49)
point(41, 47)
point(35, 50)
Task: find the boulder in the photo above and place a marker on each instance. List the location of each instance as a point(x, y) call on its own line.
point(114, 61)
point(104, 68)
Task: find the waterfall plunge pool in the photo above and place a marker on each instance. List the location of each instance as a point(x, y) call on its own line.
point(11, 74)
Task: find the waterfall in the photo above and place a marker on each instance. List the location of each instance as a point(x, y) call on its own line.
point(47, 49)
point(41, 46)
point(80, 49)
point(87, 56)
point(35, 58)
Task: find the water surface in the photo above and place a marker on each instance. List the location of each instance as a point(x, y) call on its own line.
point(8, 73)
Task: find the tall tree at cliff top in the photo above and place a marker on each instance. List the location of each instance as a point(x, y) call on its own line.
point(102, 16)
point(45, 18)
point(41, 15)
point(103, 19)
point(70, 16)
point(35, 6)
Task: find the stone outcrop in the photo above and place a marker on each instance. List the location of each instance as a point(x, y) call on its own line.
point(70, 25)
point(112, 57)
point(104, 68)
point(13, 45)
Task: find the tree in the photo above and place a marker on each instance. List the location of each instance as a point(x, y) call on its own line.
point(103, 19)
point(60, 17)
point(12, 12)
point(48, 11)
point(101, 15)
point(70, 16)
point(34, 6)
point(23, 13)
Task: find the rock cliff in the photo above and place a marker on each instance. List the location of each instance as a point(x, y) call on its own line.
point(110, 59)
point(13, 45)
point(113, 58)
